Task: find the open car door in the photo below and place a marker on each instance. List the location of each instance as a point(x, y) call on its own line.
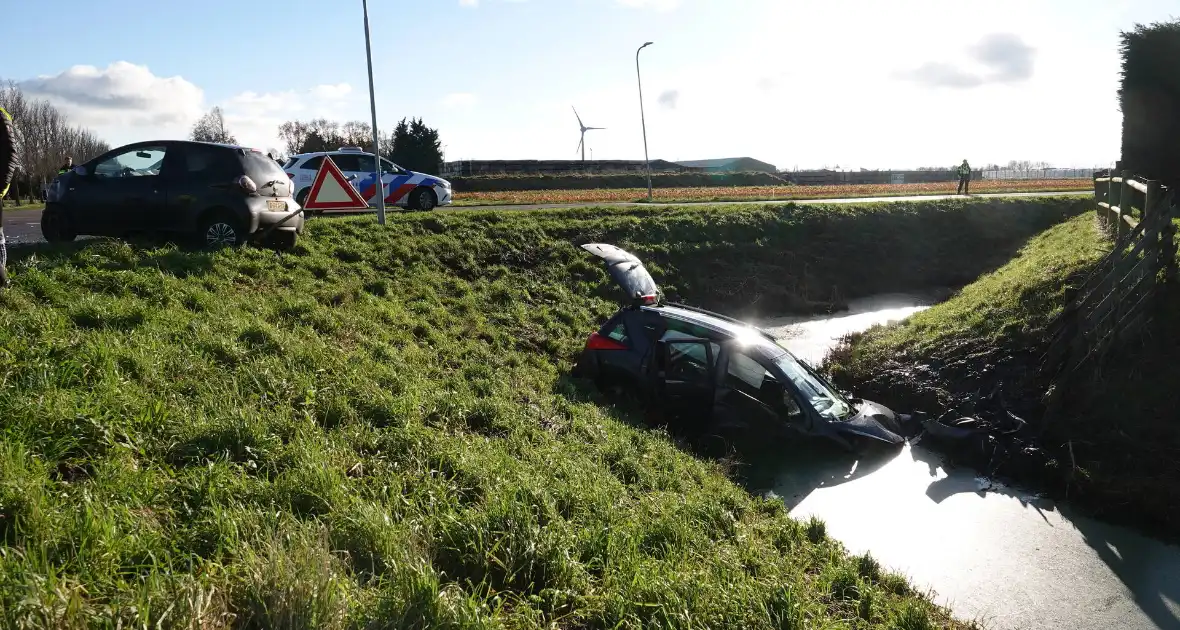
point(684, 379)
point(628, 271)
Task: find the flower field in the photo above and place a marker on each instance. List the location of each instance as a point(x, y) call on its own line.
point(760, 193)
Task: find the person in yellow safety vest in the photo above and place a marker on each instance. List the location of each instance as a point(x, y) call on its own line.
point(7, 168)
point(67, 167)
point(964, 178)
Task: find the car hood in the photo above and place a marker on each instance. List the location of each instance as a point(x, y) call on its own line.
point(873, 420)
point(431, 180)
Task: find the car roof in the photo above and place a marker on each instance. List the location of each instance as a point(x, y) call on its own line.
point(726, 327)
point(220, 145)
point(335, 152)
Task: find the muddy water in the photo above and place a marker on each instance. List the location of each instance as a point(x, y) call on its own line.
point(992, 553)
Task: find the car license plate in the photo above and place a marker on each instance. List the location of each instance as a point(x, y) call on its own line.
point(276, 205)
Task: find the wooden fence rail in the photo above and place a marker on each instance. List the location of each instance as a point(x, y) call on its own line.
point(1117, 299)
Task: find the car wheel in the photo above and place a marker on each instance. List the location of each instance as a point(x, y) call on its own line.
point(55, 227)
point(424, 199)
point(284, 240)
point(221, 230)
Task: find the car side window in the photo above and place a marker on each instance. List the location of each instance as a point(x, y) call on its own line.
point(347, 162)
point(314, 163)
point(749, 376)
point(696, 350)
point(745, 374)
point(365, 163)
point(688, 361)
point(138, 162)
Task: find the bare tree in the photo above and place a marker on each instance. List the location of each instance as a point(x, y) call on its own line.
point(211, 128)
point(44, 139)
point(322, 134)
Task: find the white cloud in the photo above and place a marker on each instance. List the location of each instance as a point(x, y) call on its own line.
point(126, 102)
point(255, 118)
point(460, 100)
point(332, 92)
point(669, 98)
point(1005, 57)
point(658, 5)
point(121, 96)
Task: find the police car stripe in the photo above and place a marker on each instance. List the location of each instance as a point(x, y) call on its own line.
point(400, 192)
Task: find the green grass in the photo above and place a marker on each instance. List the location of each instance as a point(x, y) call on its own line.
point(1006, 307)
point(377, 430)
point(10, 205)
point(1114, 452)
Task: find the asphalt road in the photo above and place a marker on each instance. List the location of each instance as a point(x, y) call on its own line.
point(24, 226)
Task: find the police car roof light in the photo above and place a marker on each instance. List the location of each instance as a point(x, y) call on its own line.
point(350, 149)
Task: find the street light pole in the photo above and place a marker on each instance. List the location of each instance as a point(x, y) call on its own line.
point(643, 119)
point(376, 135)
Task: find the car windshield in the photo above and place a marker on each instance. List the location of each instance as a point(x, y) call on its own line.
point(830, 404)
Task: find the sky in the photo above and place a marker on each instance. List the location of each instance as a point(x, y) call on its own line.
point(799, 84)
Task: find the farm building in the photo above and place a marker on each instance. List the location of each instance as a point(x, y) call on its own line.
point(730, 165)
point(555, 167)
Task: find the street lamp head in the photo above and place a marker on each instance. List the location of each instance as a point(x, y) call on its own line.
point(646, 45)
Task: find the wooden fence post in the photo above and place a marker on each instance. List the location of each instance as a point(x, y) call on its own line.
point(1098, 199)
point(1167, 243)
point(1126, 203)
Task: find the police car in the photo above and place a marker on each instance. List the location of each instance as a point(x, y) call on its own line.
point(401, 187)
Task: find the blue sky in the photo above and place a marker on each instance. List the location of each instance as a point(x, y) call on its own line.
point(852, 83)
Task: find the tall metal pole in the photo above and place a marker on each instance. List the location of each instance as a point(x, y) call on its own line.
point(376, 134)
point(643, 119)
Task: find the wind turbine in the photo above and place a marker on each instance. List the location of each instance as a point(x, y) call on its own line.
point(582, 142)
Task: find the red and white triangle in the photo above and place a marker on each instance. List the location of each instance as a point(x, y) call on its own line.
point(331, 191)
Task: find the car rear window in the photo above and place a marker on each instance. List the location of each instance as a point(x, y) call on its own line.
point(313, 164)
point(619, 334)
point(261, 168)
point(290, 162)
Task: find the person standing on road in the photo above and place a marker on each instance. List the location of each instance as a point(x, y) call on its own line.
point(67, 167)
point(7, 168)
point(964, 178)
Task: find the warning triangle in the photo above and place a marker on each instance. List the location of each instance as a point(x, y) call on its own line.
point(331, 190)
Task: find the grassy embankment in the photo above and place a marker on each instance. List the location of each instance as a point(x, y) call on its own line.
point(1122, 430)
point(755, 193)
point(12, 205)
point(376, 430)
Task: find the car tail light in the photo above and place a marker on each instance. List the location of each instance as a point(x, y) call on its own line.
point(291, 175)
point(247, 184)
point(599, 342)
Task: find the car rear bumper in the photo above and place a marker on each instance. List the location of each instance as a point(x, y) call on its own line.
point(265, 218)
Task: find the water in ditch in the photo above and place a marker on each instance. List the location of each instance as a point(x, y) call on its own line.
point(995, 554)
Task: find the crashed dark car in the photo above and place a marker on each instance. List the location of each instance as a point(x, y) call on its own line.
point(219, 194)
point(715, 373)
